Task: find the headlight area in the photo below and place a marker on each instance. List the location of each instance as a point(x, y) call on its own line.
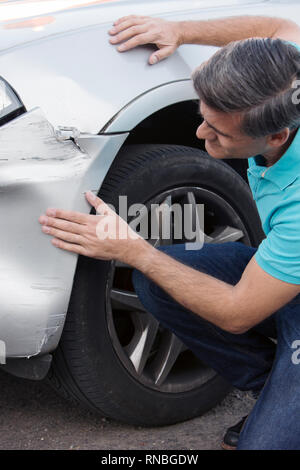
point(11, 105)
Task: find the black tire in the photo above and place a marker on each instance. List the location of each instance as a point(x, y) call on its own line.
point(87, 365)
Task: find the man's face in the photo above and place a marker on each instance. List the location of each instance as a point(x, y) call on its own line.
point(223, 137)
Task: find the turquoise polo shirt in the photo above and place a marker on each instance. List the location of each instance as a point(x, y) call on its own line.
point(276, 191)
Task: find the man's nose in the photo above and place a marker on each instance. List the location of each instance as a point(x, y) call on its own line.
point(204, 132)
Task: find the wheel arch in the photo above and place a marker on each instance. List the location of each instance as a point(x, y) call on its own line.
point(167, 114)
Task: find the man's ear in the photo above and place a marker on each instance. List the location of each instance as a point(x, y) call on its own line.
point(279, 139)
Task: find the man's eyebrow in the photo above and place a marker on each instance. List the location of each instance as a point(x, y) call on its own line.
point(213, 127)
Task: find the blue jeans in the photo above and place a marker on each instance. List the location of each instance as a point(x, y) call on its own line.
point(249, 361)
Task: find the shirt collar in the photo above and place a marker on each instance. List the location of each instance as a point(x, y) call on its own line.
point(285, 170)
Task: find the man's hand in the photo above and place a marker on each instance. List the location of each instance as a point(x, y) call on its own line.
point(168, 35)
point(104, 236)
point(138, 30)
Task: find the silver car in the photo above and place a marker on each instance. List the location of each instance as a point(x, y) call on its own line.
point(75, 114)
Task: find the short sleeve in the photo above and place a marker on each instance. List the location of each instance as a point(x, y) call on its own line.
point(297, 46)
point(279, 253)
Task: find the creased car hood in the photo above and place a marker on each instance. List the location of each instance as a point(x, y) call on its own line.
point(24, 21)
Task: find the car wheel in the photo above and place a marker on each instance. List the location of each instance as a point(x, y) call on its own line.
point(113, 355)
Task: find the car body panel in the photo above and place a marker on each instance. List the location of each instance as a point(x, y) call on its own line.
point(74, 74)
point(31, 20)
point(68, 74)
point(35, 277)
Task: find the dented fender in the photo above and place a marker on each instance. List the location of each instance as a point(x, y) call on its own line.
point(37, 171)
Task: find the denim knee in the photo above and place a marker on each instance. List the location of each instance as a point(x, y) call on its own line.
point(147, 291)
point(140, 282)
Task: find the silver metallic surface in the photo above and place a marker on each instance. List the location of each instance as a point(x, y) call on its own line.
point(36, 172)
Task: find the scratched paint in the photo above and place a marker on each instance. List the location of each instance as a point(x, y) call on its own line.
point(31, 157)
point(38, 171)
point(33, 127)
point(30, 152)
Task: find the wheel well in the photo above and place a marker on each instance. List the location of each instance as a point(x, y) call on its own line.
point(176, 124)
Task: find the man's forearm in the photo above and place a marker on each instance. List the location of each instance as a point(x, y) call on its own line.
point(219, 32)
point(198, 292)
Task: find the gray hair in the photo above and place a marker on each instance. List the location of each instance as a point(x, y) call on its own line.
point(254, 76)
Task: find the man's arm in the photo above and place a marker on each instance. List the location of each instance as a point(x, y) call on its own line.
point(168, 35)
point(221, 31)
point(233, 308)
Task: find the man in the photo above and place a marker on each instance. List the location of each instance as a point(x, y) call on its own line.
point(230, 299)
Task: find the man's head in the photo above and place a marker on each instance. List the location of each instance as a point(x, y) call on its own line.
point(247, 98)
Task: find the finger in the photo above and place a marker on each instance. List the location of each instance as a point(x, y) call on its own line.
point(97, 203)
point(61, 224)
point(68, 246)
point(123, 18)
point(128, 33)
point(138, 40)
point(127, 24)
point(101, 207)
point(128, 18)
point(76, 217)
point(65, 236)
point(161, 54)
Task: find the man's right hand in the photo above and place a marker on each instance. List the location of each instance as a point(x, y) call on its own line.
point(138, 30)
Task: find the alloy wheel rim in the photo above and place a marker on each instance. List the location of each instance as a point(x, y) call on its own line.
point(150, 353)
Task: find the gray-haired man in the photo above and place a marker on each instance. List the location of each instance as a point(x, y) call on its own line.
point(226, 301)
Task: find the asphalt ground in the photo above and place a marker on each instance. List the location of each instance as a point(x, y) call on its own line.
point(33, 416)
